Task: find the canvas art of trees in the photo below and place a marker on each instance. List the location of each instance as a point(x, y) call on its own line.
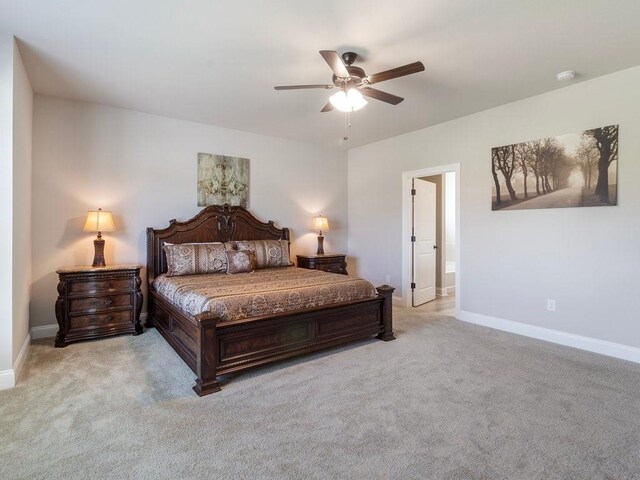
point(576, 170)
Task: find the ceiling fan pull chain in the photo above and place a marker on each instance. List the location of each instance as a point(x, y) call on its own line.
point(345, 127)
point(347, 124)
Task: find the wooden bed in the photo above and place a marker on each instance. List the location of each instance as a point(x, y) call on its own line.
point(212, 348)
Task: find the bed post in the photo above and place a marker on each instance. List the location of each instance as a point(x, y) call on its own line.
point(148, 323)
point(386, 292)
point(207, 354)
point(151, 273)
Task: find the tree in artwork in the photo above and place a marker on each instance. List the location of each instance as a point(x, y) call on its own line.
point(606, 142)
point(557, 171)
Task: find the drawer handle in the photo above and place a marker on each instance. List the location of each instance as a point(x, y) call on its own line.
point(108, 302)
point(109, 318)
point(107, 285)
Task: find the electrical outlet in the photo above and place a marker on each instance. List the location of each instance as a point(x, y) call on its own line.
point(551, 305)
point(387, 279)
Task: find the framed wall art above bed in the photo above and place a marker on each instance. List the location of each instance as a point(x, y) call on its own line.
point(222, 179)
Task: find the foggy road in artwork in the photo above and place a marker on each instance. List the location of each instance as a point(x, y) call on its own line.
point(573, 170)
point(567, 197)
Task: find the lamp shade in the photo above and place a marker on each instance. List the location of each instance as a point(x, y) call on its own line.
point(320, 224)
point(348, 101)
point(99, 221)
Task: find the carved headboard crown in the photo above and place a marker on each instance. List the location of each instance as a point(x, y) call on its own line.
point(216, 223)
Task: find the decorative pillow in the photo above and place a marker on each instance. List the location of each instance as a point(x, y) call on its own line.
point(227, 245)
point(195, 258)
point(194, 243)
point(239, 261)
point(268, 253)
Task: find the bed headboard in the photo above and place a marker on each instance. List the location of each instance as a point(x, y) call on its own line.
point(216, 223)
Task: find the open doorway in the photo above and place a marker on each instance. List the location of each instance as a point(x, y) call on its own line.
point(426, 204)
point(430, 241)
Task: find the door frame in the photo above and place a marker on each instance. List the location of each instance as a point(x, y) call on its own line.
point(406, 228)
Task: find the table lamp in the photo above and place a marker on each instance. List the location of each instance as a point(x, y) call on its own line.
point(99, 221)
point(320, 223)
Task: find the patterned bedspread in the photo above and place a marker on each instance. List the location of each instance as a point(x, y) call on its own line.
point(262, 292)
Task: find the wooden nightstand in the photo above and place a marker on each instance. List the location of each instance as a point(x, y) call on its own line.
point(335, 263)
point(96, 302)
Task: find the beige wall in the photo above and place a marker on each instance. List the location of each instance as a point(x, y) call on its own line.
point(450, 227)
point(143, 168)
point(16, 107)
point(22, 139)
point(587, 259)
point(6, 209)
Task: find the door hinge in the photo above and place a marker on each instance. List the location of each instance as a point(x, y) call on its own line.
point(413, 286)
point(413, 238)
point(413, 191)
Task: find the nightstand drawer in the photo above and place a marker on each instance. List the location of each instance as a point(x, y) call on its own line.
point(91, 304)
point(331, 268)
point(101, 320)
point(97, 302)
point(91, 286)
point(334, 263)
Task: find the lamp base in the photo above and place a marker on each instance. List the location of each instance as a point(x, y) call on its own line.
point(98, 258)
point(320, 245)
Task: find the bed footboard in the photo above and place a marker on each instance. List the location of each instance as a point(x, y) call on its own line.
point(207, 358)
point(212, 349)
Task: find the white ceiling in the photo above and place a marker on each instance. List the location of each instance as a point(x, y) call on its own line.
point(216, 61)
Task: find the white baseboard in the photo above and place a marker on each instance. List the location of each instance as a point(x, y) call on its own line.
point(48, 331)
point(44, 331)
point(22, 357)
point(8, 377)
point(445, 291)
point(603, 347)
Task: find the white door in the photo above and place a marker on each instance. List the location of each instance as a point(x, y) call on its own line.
point(424, 242)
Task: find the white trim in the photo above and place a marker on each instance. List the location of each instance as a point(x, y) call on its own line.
point(7, 379)
point(48, 331)
point(44, 331)
point(22, 357)
point(406, 227)
point(603, 347)
point(445, 291)
point(397, 301)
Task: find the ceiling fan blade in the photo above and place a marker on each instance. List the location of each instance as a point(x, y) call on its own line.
point(380, 95)
point(327, 108)
point(301, 87)
point(414, 67)
point(335, 62)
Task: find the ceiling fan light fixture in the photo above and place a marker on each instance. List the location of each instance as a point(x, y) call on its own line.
point(348, 101)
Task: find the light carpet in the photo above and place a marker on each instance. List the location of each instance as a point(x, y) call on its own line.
point(447, 400)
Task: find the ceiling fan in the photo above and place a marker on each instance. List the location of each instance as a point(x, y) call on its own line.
point(354, 82)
